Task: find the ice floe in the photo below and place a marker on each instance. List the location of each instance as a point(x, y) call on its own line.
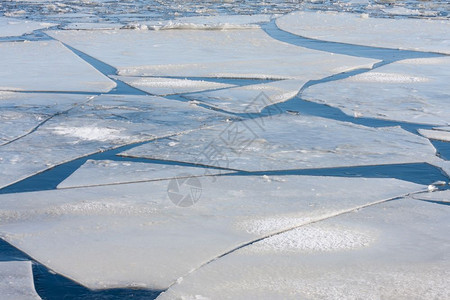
point(436, 134)
point(412, 90)
point(170, 86)
point(250, 98)
point(393, 250)
point(283, 142)
point(16, 280)
point(104, 172)
point(207, 53)
point(47, 66)
point(410, 34)
point(17, 27)
point(155, 242)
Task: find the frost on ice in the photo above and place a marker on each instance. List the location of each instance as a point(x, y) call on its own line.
point(286, 142)
point(73, 231)
point(15, 27)
point(412, 90)
point(410, 34)
point(16, 281)
point(398, 249)
point(207, 53)
point(105, 172)
point(47, 66)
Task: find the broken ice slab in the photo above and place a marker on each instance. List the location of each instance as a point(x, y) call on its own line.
point(21, 113)
point(154, 241)
point(107, 172)
point(207, 53)
point(17, 27)
point(412, 90)
point(16, 280)
point(395, 250)
point(105, 122)
point(47, 66)
point(436, 134)
point(286, 142)
point(439, 196)
point(170, 86)
point(250, 98)
point(408, 34)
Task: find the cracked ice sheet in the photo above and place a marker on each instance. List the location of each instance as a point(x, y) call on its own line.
point(285, 142)
point(156, 242)
point(248, 99)
point(16, 280)
point(170, 86)
point(20, 113)
point(409, 34)
point(47, 66)
point(436, 134)
point(412, 90)
point(104, 123)
point(16, 27)
point(441, 196)
point(207, 53)
point(395, 250)
point(103, 172)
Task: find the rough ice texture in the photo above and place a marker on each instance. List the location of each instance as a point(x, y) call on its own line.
point(413, 90)
point(155, 242)
point(170, 86)
point(104, 172)
point(402, 252)
point(207, 53)
point(17, 27)
point(291, 142)
point(47, 66)
point(410, 34)
point(103, 123)
point(16, 281)
point(251, 98)
point(436, 134)
point(21, 113)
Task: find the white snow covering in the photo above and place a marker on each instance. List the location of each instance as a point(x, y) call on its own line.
point(395, 250)
point(104, 172)
point(170, 86)
point(16, 281)
point(412, 90)
point(250, 98)
point(207, 53)
point(103, 123)
point(17, 27)
point(155, 242)
point(436, 134)
point(47, 66)
point(285, 141)
point(410, 34)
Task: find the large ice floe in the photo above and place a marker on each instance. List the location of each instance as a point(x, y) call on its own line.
point(15, 27)
point(394, 250)
point(410, 34)
point(412, 90)
point(247, 53)
point(104, 122)
point(133, 235)
point(16, 281)
point(47, 66)
point(282, 142)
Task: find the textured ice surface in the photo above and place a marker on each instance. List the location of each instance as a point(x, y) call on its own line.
point(101, 172)
point(248, 99)
point(170, 86)
point(16, 281)
point(413, 90)
point(17, 27)
point(411, 34)
point(396, 250)
point(206, 53)
point(436, 134)
point(133, 235)
point(291, 142)
point(103, 123)
point(47, 66)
